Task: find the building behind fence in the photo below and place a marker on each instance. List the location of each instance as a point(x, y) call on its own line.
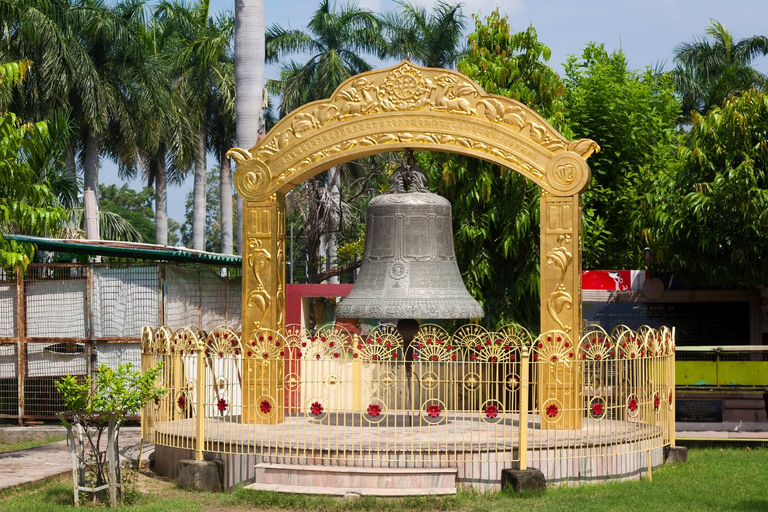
point(59, 319)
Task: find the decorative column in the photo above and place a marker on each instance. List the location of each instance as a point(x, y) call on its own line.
point(561, 379)
point(263, 302)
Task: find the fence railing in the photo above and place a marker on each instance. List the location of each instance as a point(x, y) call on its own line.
point(474, 399)
point(59, 319)
point(727, 367)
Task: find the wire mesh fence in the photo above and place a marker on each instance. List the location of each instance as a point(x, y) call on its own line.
point(60, 319)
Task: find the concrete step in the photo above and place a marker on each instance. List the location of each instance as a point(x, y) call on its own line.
point(341, 480)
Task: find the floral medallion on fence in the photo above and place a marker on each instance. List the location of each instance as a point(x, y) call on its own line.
point(596, 345)
point(222, 406)
point(387, 380)
point(551, 410)
point(472, 381)
point(432, 344)
point(670, 398)
point(265, 346)
point(381, 344)
point(656, 402)
point(633, 405)
point(554, 347)
point(597, 408)
point(492, 411)
point(292, 382)
point(181, 402)
point(266, 407)
point(375, 412)
point(429, 380)
point(511, 382)
point(316, 409)
point(433, 411)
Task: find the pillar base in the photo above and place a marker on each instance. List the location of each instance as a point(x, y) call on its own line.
point(675, 454)
point(199, 475)
point(523, 480)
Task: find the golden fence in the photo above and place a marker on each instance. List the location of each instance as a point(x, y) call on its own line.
point(475, 399)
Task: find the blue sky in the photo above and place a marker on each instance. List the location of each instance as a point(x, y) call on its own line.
point(647, 31)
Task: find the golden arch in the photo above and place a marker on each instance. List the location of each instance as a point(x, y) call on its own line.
point(408, 106)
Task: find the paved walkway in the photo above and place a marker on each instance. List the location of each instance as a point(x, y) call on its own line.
point(26, 467)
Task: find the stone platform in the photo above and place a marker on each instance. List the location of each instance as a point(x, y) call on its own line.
point(476, 449)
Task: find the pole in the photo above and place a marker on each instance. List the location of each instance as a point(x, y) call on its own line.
point(522, 445)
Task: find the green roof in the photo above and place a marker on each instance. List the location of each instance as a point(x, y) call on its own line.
point(129, 250)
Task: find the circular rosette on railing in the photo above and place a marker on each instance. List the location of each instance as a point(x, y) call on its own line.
point(161, 340)
point(266, 407)
point(316, 409)
point(187, 340)
point(551, 410)
point(223, 406)
point(597, 408)
point(492, 411)
point(432, 344)
point(433, 411)
point(596, 345)
point(376, 411)
point(265, 345)
point(630, 345)
point(670, 398)
point(223, 341)
point(297, 339)
point(553, 347)
point(633, 405)
point(383, 343)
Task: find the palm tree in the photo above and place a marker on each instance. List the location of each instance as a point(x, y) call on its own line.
point(249, 80)
point(221, 137)
point(334, 41)
point(710, 70)
point(433, 40)
point(202, 48)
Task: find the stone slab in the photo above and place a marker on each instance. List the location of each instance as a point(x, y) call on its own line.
point(523, 480)
point(345, 492)
point(675, 454)
point(199, 475)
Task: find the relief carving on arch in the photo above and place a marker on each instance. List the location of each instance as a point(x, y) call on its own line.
point(452, 114)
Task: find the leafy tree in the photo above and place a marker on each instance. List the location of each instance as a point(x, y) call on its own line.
point(710, 70)
point(136, 207)
point(213, 215)
point(706, 216)
point(495, 210)
point(632, 116)
point(335, 40)
point(28, 205)
point(201, 59)
point(433, 40)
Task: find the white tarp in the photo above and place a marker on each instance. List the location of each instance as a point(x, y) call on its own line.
point(56, 309)
point(7, 310)
point(124, 300)
point(8, 361)
point(53, 359)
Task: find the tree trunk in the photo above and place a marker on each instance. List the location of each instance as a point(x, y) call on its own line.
point(198, 216)
point(225, 174)
point(91, 179)
point(161, 203)
point(249, 80)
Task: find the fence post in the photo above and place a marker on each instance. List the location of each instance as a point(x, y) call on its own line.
point(200, 401)
point(21, 336)
point(671, 379)
point(522, 444)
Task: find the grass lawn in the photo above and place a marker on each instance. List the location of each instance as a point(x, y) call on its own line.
point(24, 445)
point(714, 479)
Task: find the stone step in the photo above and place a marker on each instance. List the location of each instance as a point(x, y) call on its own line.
point(342, 480)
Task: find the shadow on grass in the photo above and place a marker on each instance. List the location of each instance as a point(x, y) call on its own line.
point(751, 506)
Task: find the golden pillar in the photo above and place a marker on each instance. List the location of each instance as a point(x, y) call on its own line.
point(559, 379)
point(263, 309)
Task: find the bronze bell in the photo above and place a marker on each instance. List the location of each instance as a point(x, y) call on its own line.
point(409, 267)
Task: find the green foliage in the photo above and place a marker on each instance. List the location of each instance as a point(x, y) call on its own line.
point(212, 216)
point(28, 205)
point(137, 208)
point(632, 116)
point(711, 69)
point(513, 65)
point(495, 210)
point(122, 390)
point(706, 216)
